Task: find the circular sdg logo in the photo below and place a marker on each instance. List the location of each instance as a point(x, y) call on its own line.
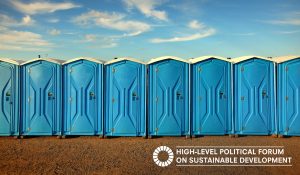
point(163, 149)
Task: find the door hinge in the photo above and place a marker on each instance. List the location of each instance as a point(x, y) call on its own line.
point(28, 99)
point(242, 98)
point(71, 70)
point(199, 69)
point(286, 69)
point(156, 69)
point(156, 129)
point(286, 98)
point(287, 129)
point(28, 129)
point(156, 99)
point(112, 129)
point(70, 99)
point(242, 69)
point(29, 70)
point(113, 100)
point(113, 70)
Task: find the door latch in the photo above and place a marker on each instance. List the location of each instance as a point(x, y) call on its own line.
point(264, 94)
point(222, 95)
point(92, 96)
point(7, 96)
point(50, 96)
point(178, 96)
point(134, 96)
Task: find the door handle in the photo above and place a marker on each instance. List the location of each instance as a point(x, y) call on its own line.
point(178, 95)
point(222, 95)
point(50, 96)
point(7, 94)
point(264, 94)
point(92, 96)
point(134, 96)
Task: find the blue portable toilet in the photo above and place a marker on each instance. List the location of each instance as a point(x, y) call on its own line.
point(125, 98)
point(168, 97)
point(82, 101)
point(288, 85)
point(254, 96)
point(41, 97)
point(211, 96)
point(10, 99)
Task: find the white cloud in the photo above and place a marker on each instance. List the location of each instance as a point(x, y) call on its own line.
point(8, 21)
point(90, 37)
point(53, 20)
point(54, 32)
point(288, 32)
point(22, 41)
point(2, 28)
point(27, 20)
point(40, 7)
point(100, 41)
point(245, 34)
point(194, 24)
point(291, 18)
point(108, 45)
point(285, 22)
point(114, 21)
point(202, 31)
point(147, 7)
point(195, 36)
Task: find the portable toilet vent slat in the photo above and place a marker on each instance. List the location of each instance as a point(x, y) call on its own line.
point(10, 100)
point(254, 96)
point(168, 97)
point(82, 87)
point(211, 96)
point(125, 97)
point(288, 100)
point(41, 97)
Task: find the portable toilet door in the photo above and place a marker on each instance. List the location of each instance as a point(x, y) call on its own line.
point(168, 97)
point(125, 97)
point(82, 84)
point(10, 101)
point(254, 96)
point(211, 96)
point(288, 85)
point(41, 97)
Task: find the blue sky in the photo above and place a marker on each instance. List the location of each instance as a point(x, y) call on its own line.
point(146, 29)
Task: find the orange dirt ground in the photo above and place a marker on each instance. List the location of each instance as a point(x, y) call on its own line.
point(92, 155)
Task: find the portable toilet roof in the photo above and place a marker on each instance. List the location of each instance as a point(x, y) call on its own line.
point(244, 58)
point(83, 58)
point(52, 60)
point(12, 61)
point(203, 58)
point(124, 59)
point(154, 60)
point(286, 58)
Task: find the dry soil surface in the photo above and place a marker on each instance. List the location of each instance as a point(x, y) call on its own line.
point(92, 155)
